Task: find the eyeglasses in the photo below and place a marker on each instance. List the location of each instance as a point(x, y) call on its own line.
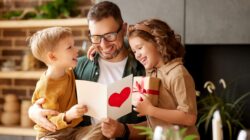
point(96, 39)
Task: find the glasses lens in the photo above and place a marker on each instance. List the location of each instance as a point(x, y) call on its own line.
point(95, 39)
point(110, 36)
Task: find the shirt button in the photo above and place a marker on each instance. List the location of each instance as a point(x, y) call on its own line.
point(96, 73)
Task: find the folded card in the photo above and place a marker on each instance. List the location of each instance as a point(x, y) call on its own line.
point(104, 101)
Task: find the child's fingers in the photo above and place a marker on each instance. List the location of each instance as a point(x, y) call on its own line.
point(82, 110)
point(140, 115)
point(91, 52)
point(134, 108)
point(143, 96)
point(80, 106)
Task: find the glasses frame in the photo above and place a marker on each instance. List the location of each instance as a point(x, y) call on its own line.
point(103, 36)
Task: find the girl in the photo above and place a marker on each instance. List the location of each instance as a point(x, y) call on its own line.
point(155, 45)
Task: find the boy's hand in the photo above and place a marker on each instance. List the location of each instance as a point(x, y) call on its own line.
point(75, 111)
point(91, 52)
point(143, 107)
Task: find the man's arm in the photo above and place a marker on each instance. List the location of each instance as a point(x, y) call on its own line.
point(39, 115)
point(134, 133)
point(114, 129)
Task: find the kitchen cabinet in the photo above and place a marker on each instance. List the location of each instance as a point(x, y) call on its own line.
point(217, 22)
point(21, 74)
point(23, 81)
point(17, 131)
point(42, 23)
point(170, 11)
point(197, 21)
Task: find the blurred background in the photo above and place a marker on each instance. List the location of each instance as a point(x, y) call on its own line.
point(216, 34)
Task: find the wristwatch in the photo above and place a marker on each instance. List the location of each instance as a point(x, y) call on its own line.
point(126, 133)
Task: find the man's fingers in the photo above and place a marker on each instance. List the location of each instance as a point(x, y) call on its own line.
point(48, 125)
point(108, 120)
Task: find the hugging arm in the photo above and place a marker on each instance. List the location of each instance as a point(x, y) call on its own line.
point(39, 115)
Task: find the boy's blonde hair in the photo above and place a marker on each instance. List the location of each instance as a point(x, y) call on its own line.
point(45, 40)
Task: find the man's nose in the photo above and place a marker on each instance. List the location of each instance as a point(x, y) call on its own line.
point(103, 42)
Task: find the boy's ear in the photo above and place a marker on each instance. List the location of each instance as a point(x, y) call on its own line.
point(51, 56)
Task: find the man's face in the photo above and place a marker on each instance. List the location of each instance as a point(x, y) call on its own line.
point(109, 47)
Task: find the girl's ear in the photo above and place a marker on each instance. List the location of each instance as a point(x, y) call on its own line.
point(51, 56)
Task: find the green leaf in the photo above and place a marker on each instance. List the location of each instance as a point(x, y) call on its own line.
point(182, 131)
point(229, 129)
point(241, 98)
point(145, 131)
point(209, 116)
point(190, 137)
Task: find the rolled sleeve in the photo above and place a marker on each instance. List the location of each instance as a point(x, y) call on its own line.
point(184, 93)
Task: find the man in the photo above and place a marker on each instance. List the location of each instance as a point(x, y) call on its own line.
point(113, 61)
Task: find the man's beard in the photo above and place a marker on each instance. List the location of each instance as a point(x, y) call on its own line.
point(113, 55)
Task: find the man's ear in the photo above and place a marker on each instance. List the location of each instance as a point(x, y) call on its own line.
point(124, 28)
point(51, 56)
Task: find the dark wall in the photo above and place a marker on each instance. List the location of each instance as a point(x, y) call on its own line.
point(230, 62)
point(212, 62)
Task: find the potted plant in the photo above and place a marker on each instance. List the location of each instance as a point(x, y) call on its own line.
point(230, 111)
point(171, 133)
point(51, 10)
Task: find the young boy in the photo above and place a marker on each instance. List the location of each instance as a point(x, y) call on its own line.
point(55, 47)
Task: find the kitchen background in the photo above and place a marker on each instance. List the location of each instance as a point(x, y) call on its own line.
point(19, 71)
point(216, 34)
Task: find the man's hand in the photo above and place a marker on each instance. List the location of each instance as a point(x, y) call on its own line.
point(75, 111)
point(112, 128)
point(38, 115)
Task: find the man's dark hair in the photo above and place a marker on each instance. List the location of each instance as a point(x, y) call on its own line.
point(105, 9)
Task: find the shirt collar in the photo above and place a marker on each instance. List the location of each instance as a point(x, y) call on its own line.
point(167, 67)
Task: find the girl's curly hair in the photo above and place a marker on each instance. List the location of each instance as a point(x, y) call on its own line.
point(159, 33)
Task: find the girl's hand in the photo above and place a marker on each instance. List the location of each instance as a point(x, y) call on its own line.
point(75, 111)
point(91, 52)
point(143, 107)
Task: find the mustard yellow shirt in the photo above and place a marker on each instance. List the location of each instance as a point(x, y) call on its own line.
point(177, 92)
point(60, 95)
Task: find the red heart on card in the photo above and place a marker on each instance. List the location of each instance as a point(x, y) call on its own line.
point(117, 99)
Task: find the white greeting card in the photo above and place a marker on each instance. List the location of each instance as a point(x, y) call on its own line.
point(104, 101)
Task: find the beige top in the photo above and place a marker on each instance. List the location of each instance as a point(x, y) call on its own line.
point(177, 91)
point(60, 95)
